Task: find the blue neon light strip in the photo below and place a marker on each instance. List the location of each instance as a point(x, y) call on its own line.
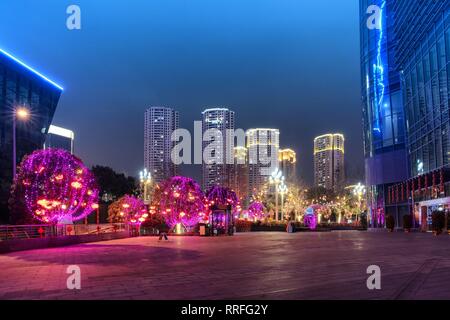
point(378, 69)
point(31, 69)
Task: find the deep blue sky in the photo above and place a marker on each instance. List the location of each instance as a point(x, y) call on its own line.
point(288, 64)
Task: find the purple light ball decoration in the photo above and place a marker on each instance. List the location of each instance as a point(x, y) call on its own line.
point(256, 211)
point(222, 196)
point(181, 201)
point(57, 186)
point(132, 210)
point(310, 217)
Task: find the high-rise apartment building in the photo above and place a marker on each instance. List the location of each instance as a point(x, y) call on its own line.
point(216, 169)
point(239, 174)
point(160, 123)
point(21, 86)
point(263, 146)
point(329, 161)
point(287, 159)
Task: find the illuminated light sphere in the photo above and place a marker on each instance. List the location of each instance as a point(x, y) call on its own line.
point(128, 209)
point(310, 217)
point(256, 211)
point(180, 200)
point(56, 186)
point(222, 196)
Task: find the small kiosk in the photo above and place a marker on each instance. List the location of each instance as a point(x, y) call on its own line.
point(221, 220)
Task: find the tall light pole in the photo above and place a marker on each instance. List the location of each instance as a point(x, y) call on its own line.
point(282, 189)
point(276, 178)
point(21, 114)
point(146, 179)
point(359, 190)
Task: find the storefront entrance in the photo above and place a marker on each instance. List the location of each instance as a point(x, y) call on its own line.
point(424, 211)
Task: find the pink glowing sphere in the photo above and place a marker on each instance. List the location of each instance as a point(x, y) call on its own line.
point(181, 202)
point(57, 186)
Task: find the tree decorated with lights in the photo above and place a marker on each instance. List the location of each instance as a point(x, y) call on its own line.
point(223, 196)
point(256, 211)
point(55, 187)
point(179, 200)
point(128, 209)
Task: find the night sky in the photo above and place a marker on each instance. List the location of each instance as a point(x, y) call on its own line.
point(287, 64)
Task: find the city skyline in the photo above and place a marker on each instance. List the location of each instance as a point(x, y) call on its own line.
point(236, 63)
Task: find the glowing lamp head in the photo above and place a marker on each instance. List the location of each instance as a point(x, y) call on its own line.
point(22, 113)
point(95, 206)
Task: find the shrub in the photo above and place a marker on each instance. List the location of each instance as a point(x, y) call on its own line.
point(390, 222)
point(438, 221)
point(407, 222)
point(243, 225)
point(363, 219)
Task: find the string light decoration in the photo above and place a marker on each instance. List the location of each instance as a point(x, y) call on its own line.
point(256, 211)
point(128, 209)
point(180, 200)
point(222, 196)
point(56, 186)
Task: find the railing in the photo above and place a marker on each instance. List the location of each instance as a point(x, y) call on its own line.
point(10, 232)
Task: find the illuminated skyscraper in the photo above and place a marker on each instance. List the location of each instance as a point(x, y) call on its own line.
point(262, 145)
point(239, 174)
point(329, 161)
point(383, 113)
point(216, 171)
point(287, 159)
point(160, 122)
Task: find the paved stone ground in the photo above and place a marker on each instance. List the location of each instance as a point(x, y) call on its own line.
point(246, 266)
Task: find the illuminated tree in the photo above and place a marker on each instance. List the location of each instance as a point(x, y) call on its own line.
point(55, 187)
point(128, 209)
point(223, 196)
point(180, 200)
point(256, 211)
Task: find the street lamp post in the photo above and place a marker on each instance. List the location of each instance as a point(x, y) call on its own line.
point(359, 190)
point(276, 178)
point(146, 179)
point(282, 189)
point(22, 114)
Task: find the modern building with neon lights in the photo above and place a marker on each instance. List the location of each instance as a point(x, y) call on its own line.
point(405, 85)
point(287, 162)
point(329, 169)
point(22, 86)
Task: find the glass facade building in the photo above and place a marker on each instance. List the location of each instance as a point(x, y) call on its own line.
point(405, 85)
point(383, 113)
point(22, 86)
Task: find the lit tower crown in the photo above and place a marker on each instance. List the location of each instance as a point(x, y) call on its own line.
point(287, 159)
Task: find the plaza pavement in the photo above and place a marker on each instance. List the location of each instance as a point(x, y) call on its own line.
point(330, 265)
